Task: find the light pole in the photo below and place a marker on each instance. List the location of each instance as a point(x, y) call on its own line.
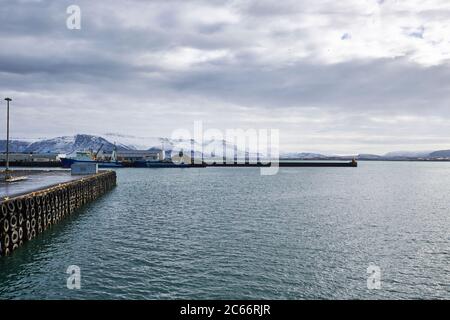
point(7, 138)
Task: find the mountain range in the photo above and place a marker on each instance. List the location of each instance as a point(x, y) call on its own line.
point(63, 145)
point(70, 144)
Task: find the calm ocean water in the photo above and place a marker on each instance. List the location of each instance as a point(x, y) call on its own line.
point(229, 233)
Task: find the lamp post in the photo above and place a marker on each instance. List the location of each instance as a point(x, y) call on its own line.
point(7, 138)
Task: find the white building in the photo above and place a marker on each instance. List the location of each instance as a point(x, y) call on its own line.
point(137, 155)
point(30, 157)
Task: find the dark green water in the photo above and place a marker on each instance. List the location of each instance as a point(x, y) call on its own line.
point(229, 233)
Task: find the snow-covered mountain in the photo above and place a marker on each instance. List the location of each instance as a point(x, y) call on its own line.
point(368, 156)
point(302, 155)
point(440, 154)
point(134, 142)
point(81, 142)
point(407, 154)
point(207, 147)
point(66, 145)
point(14, 146)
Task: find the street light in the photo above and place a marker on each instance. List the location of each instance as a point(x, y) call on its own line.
point(7, 138)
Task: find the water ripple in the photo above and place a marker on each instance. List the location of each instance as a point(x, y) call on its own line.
point(232, 234)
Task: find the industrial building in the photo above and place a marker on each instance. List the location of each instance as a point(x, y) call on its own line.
point(135, 155)
point(30, 157)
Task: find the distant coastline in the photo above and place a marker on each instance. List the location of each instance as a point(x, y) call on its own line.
point(70, 144)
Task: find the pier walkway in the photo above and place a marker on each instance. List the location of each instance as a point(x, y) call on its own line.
point(36, 180)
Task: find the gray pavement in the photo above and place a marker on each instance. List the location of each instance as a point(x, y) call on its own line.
point(36, 180)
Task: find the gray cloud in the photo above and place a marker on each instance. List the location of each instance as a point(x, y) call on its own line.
point(164, 64)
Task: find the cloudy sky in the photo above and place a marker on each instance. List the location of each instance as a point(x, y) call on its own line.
point(351, 76)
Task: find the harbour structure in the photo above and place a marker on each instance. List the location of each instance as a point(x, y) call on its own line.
point(29, 213)
point(131, 156)
point(30, 157)
point(179, 160)
point(284, 164)
point(90, 157)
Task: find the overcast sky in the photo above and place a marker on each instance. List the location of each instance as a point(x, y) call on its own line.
point(353, 76)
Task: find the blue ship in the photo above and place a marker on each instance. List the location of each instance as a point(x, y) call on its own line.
point(87, 157)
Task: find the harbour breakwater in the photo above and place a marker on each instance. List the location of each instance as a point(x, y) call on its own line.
point(283, 164)
point(25, 216)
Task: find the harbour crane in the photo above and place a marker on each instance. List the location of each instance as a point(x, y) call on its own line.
point(96, 154)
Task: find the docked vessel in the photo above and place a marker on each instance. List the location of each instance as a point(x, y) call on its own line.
point(87, 156)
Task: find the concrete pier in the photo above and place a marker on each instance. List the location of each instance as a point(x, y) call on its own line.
point(36, 180)
point(30, 207)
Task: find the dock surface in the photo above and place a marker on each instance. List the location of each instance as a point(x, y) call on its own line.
point(36, 180)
